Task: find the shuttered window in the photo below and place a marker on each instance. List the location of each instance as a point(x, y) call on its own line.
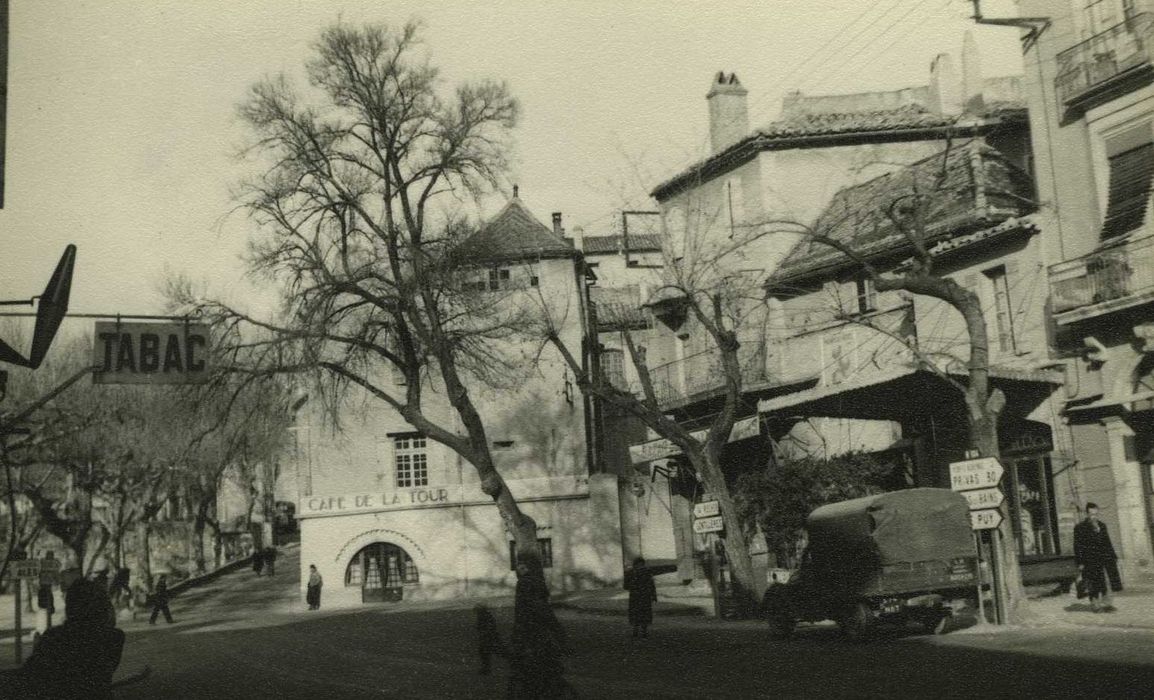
point(1131, 173)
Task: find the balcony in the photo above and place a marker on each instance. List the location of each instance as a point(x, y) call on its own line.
point(1104, 281)
point(1091, 65)
point(838, 351)
point(700, 376)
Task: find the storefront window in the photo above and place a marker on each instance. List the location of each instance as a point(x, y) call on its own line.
point(1030, 492)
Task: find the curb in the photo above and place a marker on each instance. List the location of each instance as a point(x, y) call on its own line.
point(679, 611)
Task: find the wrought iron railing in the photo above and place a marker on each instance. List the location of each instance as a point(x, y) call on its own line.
point(1103, 56)
point(1117, 272)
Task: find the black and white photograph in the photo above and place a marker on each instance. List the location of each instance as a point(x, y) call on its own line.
point(587, 349)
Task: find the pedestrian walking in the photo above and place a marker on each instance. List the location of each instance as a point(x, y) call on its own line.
point(313, 592)
point(74, 660)
point(270, 560)
point(642, 594)
point(258, 561)
point(488, 638)
point(160, 601)
point(45, 597)
point(1096, 560)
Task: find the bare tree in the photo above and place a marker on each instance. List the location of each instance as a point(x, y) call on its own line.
point(358, 206)
point(706, 291)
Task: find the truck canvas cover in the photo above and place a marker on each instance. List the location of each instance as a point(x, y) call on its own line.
point(854, 541)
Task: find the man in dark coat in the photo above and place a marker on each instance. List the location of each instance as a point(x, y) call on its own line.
point(270, 560)
point(642, 594)
point(74, 660)
point(1094, 554)
point(160, 601)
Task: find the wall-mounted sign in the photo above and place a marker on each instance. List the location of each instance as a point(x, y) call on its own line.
point(150, 353)
point(347, 504)
point(971, 474)
point(662, 448)
point(706, 525)
point(706, 509)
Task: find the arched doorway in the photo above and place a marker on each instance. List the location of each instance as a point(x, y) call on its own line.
point(381, 570)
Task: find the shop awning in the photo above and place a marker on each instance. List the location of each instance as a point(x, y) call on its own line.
point(899, 394)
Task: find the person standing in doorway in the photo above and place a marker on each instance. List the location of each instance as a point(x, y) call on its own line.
point(160, 601)
point(313, 592)
point(1094, 554)
point(642, 593)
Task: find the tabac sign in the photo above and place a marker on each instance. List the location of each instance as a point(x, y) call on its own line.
point(150, 353)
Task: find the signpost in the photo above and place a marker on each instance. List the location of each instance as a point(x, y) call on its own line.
point(988, 519)
point(977, 479)
point(706, 509)
point(704, 526)
point(984, 498)
point(27, 568)
point(980, 473)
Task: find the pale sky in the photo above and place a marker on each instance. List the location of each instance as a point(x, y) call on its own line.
point(122, 130)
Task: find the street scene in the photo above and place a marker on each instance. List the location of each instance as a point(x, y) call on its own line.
point(528, 351)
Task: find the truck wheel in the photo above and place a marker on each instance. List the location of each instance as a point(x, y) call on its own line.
point(858, 622)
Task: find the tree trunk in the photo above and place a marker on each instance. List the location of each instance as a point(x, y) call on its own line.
point(747, 590)
point(198, 534)
point(146, 553)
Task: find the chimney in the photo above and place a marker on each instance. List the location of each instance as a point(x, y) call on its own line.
point(557, 224)
point(945, 88)
point(728, 111)
point(579, 238)
point(972, 99)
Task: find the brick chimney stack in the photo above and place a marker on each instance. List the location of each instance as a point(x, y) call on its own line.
point(728, 111)
point(557, 224)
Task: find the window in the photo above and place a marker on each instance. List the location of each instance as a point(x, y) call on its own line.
point(1003, 309)
point(534, 280)
point(867, 296)
point(613, 367)
point(412, 464)
point(498, 279)
point(544, 546)
point(1131, 172)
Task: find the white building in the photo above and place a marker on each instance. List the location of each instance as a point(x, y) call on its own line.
point(389, 513)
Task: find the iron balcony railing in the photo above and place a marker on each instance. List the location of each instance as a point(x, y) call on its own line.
point(1118, 272)
point(702, 374)
point(1103, 56)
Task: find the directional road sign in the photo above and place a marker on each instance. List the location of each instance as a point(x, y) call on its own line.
point(984, 498)
point(706, 509)
point(972, 474)
point(712, 524)
point(985, 519)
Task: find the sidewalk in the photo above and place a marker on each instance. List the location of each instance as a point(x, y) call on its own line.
point(614, 601)
point(1135, 609)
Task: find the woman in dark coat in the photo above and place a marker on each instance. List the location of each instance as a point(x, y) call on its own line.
point(642, 593)
point(76, 659)
point(313, 590)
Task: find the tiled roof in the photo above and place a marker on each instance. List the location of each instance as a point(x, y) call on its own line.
point(976, 188)
point(638, 243)
point(907, 117)
point(826, 128)
point(618, 307)
point(514, 234)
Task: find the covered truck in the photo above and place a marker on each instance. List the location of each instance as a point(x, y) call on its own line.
point(902, 555)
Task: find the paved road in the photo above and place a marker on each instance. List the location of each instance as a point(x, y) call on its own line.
point(247, 638)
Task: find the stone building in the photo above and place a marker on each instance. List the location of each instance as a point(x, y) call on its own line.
point(391, 514)
point(1090, 88)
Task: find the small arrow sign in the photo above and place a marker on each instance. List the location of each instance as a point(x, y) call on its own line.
point(706, 509)
point(984, 498)
point(985, 519)
point(974, 474)
point(705, 525)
